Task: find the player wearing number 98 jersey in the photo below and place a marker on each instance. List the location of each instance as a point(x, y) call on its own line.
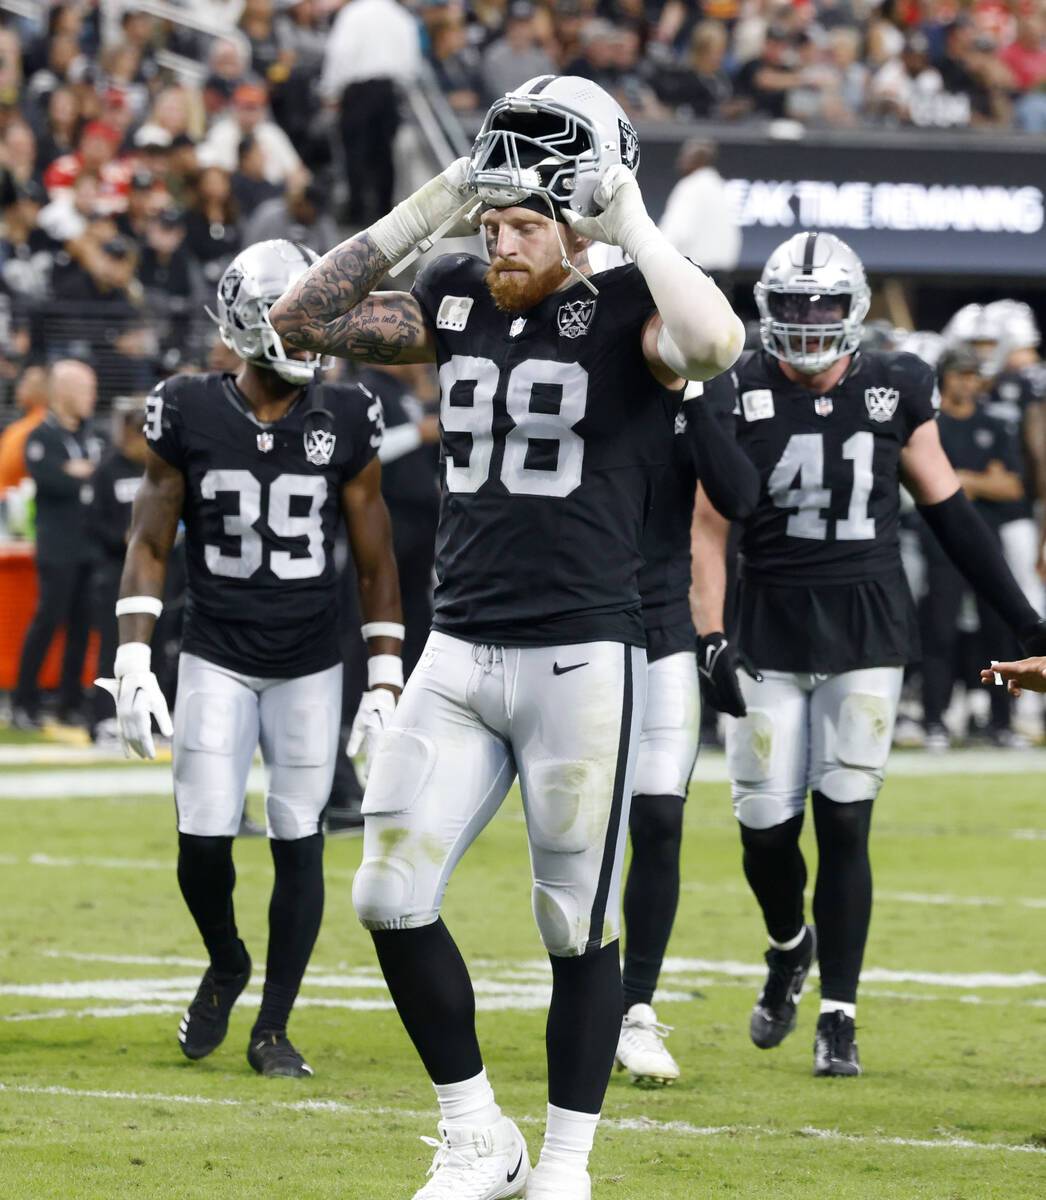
point(826, 621)
point(260, 466)
point(557, 394)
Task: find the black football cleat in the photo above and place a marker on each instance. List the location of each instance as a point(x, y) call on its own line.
point(773, 1017)
point(273, 1054)
point(206, 1021)
point(835, 1051)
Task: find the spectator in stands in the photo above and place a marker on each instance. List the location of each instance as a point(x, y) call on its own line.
point(63, 55)
point(986, 457)
point(698, 218)
point(152, 148)
point(145, 197)
point(850, 86)
point(97, 156)
point(182, 170)
point(300, 214)
point(455, 63)
point(702, 88)
point(228, 66)
point(301, 34)
point(27, 253)
point(61, 454)
point(171, 279)
point(212, 223)
point(60, 131)
point(597, 54)
point(19, 153)
point(176, 112)
point(256, 23)
point(630, 86)
point(373, 50)
point(907, 89)
point(249, 185)
point(518, 54)
point(1026, 54)
point(249, 115)
point(969, 68)
point(766, 80)
point(31, 400)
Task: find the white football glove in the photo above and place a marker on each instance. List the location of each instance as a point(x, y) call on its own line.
point(444, 207)
point(371, 720)
point(624, 220)
point(138, 700)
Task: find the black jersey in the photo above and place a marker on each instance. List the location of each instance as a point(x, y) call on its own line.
point(972, 444)
point(550, 425)
point(664, 580)
point(822, 588)
point(114, 486)
point(262, 503)
point(1008, 400)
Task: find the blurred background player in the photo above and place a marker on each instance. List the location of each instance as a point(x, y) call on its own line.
point(261, 470)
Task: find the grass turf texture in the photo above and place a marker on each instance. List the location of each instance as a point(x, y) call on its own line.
point(96, 1106)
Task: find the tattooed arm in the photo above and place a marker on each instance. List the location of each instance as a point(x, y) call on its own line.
point(331, 310)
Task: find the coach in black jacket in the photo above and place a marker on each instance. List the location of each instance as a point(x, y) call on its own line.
point(60, 454)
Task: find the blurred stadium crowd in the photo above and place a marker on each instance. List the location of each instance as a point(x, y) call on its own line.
point(138, 155)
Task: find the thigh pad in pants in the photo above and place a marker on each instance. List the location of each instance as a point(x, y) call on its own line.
point(215, 736)
point(766, 750)
point(852, 718)
point(671, 727)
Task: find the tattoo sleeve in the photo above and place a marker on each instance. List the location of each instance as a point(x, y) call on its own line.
point(330, 310)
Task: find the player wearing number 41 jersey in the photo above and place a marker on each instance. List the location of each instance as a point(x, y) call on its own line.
point(826, 621)
point(260, 466)
point(558, 388)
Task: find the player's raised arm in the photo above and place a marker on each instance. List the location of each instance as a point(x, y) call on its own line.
point(695, 334)
point(331, 310)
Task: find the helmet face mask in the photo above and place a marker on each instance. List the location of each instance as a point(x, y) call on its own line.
point(554, 137)
point(251, 283)
point(812, 298)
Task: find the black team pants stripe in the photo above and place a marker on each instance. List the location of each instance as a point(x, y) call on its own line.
point(599, 905)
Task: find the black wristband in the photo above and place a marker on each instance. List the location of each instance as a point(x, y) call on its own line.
point(965, 537)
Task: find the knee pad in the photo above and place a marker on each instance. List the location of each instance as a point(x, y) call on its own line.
point(863, 738)
point(660, 770)
point(764, 809)
point(399, 773)
point(568, 805)
point(563, 926)
point(382, 892)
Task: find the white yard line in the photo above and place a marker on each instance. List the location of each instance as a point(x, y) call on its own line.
point(641, 1125)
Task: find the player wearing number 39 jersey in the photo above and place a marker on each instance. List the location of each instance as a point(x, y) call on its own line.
point(826, 622)
point(558, 393)
point(260, 466)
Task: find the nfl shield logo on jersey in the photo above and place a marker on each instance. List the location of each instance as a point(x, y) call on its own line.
point(881, 402)
point(574, 318)
point(319, 446)
point(823, 406)
point(265, 442)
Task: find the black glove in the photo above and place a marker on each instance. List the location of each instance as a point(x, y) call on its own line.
point(717, 670)
point(1033, 640)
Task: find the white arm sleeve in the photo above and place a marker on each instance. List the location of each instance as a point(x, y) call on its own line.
point(397, 441)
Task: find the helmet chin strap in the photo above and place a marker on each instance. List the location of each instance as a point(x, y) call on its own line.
point(567, 264)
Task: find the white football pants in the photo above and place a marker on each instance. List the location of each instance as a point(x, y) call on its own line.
point(671, 727)
point(566, 719)
point(219, 719)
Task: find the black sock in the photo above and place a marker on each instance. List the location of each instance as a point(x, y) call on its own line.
point(776, 873)
point(206, 876)
point(584, 1020)
point(295, 912)
point(433, 994)
point(843, 893)
point(655, 825)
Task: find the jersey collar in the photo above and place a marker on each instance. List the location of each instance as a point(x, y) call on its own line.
point(240, 402)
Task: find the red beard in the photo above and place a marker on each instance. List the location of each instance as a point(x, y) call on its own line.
point(518, 293)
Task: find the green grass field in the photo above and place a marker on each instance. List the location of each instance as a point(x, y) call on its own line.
point(98, 959)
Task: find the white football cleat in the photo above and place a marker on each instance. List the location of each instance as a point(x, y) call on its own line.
point(477, 1164)
point(550, 1181)
point(641, 1049)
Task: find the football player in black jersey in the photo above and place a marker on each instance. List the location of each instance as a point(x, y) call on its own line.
point(826, 621)
point(703, 449)
point(558, 392)
point(260, 466)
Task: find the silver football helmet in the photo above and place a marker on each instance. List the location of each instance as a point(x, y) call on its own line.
point(982, 326)
point(250, 284)
point(924, 344)
point(812, 297)
point(1018, 323)
point(553, 136)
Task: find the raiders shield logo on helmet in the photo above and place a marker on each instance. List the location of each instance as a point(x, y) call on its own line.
point(573, 319)
point(629, 144)
point(319, 446)
point(881, 402)
point(230, 285)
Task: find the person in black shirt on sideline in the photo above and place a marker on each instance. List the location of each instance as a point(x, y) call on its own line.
point(260, 466)
point(60, 454)
point(986, 456)
point(559, 388)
